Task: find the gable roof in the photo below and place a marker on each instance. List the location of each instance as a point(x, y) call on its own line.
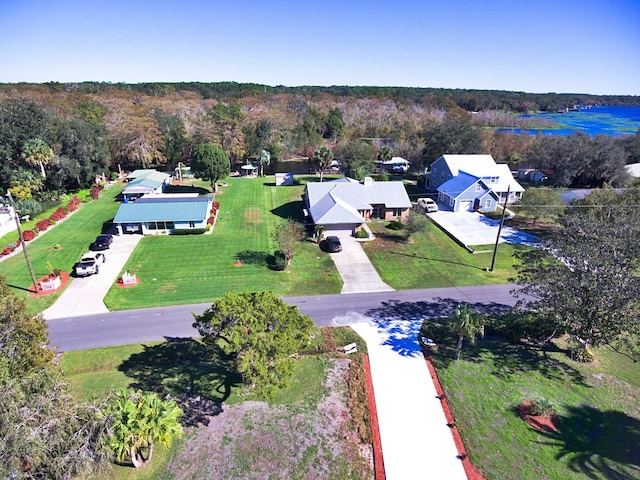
point(145, 181)
point(477, 165)
point(459, 184)
point(341, 200)
point(154, 209)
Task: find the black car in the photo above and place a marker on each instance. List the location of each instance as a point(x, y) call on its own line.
point(102, 242)
point(333, 244)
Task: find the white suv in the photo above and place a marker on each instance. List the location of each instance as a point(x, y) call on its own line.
point(428, 205)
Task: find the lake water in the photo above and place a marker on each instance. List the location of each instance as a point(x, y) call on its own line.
point(593, 121)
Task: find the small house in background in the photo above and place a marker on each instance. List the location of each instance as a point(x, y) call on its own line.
point(396, 164)
point(145, 182)
point(7, 220)
point(634, 169)
point(284, 179)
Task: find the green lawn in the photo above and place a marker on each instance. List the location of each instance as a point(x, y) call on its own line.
point(73, 235)
point(599, 435)
point(434, 260)
point(200, 268)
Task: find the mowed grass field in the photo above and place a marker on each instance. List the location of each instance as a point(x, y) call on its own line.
point(199, 268)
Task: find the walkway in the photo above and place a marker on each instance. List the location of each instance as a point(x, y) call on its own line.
point(84, 296)
point(355, 269)
point(416, 441)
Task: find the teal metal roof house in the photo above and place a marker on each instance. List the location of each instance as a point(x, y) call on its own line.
point(164, 214)
point(144, 182)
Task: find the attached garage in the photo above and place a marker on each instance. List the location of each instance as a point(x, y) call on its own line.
point(339, 230)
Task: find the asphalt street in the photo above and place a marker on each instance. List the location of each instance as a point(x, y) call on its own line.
point(154, 324)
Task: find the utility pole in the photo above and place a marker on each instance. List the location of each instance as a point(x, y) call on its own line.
point(495, 249)
point(22, 242)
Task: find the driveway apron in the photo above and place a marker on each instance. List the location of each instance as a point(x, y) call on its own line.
point(355, 269)
point(84, 296)
point(416, 441)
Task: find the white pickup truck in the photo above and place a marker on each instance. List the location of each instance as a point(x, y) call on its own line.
point(90, 263)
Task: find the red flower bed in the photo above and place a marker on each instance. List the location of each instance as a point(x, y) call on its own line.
point(28, 235)
point(95, 192)
point(216, 205)
point(73, 204)
point(211, 220)
point(59, 214)
point(42, 225)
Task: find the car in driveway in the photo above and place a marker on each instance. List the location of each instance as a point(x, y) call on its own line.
point(428, 205)
point(333, 244)
point(90, 263)
point(102, 242)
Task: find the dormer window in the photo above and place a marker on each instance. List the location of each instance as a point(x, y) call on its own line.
point(493, 180)
point(478, 187)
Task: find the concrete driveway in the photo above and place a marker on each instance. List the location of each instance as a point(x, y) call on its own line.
point(355, 269)
point(84, 296)
point(473, 228)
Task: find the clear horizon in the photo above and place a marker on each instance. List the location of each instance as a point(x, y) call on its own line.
point(575, 46)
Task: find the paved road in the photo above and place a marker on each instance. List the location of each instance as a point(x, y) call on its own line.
point(144, 325)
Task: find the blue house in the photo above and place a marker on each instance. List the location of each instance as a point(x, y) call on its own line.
point(472, 182)
point(164, 214)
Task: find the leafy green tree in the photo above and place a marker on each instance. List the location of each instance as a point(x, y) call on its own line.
point(542, 202)
point(210, 163)
point(334, 126)
point(261, 332)
point(586, 281)
point(386, 153)
point(172, 128)
point(138, 420)
point(359, 157)
point(287, 236)
point(323, 158)
point(44, 434)
point(468, 324)
point(24, 338)
point(37, 152)
point(415, 223)
point(454, 135)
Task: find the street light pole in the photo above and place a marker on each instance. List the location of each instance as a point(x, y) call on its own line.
point(22, 242)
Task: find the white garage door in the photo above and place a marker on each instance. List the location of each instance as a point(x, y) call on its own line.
point(341, 230)
point(466, 205)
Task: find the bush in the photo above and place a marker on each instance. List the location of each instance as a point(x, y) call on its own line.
point(516, 326)
point(43, 224)
point(84, 195)
point(362, 233)
point(94, 193)
point(73, 204)
point(280, 260)
point(28, 235)
point(541, 406)
point(59, 214)
point(395, 225)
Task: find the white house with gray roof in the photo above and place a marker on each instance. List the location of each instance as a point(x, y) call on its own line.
point(342, 206)
point(145, 182)
point(472, 182)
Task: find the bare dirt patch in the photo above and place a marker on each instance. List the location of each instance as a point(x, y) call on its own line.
point(253, 215)
point(255, 440)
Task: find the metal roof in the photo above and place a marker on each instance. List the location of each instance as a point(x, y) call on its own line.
point(150, 209)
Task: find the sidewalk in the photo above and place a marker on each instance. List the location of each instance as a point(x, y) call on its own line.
point(416, 441)
point(355, 269)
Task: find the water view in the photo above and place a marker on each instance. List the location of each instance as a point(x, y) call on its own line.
point(592, 121)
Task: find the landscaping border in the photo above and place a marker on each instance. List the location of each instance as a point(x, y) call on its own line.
point(378, 460)
point(469, 469)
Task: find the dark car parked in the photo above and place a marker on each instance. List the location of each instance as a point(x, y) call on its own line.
point(333, 244)
point(102, 242)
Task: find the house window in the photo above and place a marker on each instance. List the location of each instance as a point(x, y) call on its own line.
point(170, 226)
point(451, 201)
point(487, 203)
point(478, 187)
point(396, 212)
point(152, 226)
point(377, 211)
point(493, 180)
point(442, 176)
point(192, 224)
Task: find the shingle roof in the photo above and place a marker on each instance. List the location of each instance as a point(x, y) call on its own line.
point(456, 185)
point(150, 209)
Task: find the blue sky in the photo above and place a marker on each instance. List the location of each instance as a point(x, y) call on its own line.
point(576, 46)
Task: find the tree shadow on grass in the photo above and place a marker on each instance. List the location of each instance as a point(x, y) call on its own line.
point(431, 259)
point(292, 210)
point(186, 189)
point(198, 377)
point(599, 444)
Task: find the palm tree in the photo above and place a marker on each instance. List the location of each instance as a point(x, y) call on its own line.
point(265, 157)
point(138, 420)
point(468, 324)
point(37, 152)
point(323, 157)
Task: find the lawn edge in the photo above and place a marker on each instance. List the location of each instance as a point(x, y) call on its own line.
point(378, 460)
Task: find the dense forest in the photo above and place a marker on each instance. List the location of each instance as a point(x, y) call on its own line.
point(57, 137)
